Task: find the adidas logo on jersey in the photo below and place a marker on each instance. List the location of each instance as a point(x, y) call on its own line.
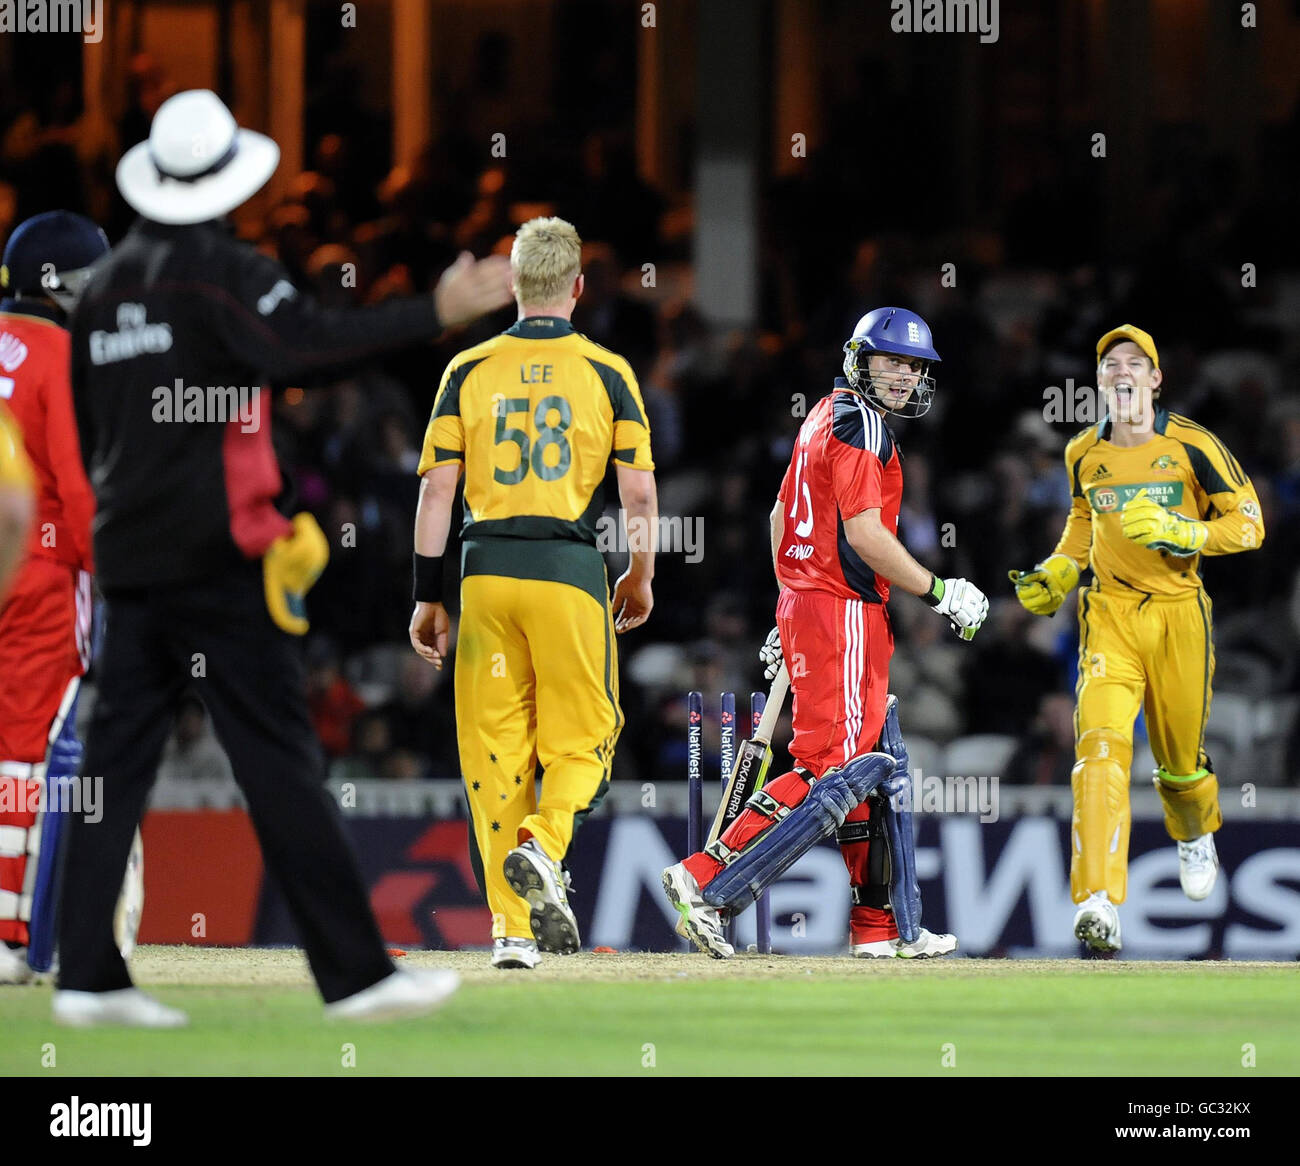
point(1099, 474)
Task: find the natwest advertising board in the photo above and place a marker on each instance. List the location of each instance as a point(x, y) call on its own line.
point(1002, 887)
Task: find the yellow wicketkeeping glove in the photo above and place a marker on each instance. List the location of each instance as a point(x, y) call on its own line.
point(1150, 525)
point(1044, 589)
point(290, 567)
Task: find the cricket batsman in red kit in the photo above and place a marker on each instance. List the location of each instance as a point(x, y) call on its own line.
point(836, 555)
point(45, 617)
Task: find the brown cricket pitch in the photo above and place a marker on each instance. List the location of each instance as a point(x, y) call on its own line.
point(164, 966)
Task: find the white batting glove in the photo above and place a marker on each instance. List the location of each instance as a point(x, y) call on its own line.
point(771, 655)
point(965, 605)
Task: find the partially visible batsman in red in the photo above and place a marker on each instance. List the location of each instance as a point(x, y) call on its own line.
point(46, 614)
point(837, 554)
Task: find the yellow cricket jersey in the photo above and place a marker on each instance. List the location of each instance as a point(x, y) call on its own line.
point(536, 414)
point(15, 469)
point(1185, 468)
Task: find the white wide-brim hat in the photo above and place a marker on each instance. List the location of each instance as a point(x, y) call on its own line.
point(197, 164)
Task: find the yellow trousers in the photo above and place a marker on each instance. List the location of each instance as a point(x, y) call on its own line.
point(1155, 653)
point(536, 682)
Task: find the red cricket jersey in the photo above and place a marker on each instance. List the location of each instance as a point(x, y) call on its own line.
point(34, 383)
point(845, 461)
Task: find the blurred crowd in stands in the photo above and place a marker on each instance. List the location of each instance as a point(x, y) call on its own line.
point(985, 488)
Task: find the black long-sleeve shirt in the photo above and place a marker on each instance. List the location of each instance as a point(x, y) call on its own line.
point(176, 335)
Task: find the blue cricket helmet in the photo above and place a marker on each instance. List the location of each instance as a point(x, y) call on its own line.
point(900, 333)
point(48, 254)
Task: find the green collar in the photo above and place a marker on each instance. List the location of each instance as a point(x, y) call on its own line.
point(1158, 428)
point(540, 327)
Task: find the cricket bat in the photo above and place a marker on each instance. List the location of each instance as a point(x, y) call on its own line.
point(130, 900)
point(749, 770)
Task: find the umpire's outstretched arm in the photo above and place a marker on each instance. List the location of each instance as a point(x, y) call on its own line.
point(284, 333)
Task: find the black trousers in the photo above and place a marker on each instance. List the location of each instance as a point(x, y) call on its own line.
point(217, 636)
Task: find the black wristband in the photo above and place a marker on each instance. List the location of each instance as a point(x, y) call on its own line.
point(428, 578)
point(935, 595)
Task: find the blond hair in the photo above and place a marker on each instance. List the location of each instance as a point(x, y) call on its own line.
point(545, 260)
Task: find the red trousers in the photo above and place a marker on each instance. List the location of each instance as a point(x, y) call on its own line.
point(837, 652)
point(44, 645)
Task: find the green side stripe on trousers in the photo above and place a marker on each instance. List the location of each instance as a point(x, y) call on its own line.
point(1205, 683)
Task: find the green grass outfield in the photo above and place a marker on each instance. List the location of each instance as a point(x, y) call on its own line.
point(254, 1013)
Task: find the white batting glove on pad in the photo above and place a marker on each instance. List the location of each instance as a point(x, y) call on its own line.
point(771, 655)
point(965, 605)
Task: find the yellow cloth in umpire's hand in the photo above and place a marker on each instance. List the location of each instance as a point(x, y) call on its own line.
point(1044, 589)
point(1150, 525)
point(290, 567)
point(15, 469)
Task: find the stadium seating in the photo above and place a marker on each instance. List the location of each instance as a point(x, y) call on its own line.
point(979, 755)
point(1232, 721)
point(925, 754)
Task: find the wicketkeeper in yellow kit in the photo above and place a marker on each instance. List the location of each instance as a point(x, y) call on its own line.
point(1153, 491)
point(533, 417)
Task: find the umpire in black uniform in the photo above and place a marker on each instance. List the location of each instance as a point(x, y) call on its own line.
point(203, 577)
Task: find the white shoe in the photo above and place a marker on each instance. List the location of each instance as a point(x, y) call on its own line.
point(128, 1006)
point(407, 992)
point(511, 952)
point(927, 945)
point(1198, 866)
point(1096, 923)
point(535, 876)
point(13, 965)
point(697, 921)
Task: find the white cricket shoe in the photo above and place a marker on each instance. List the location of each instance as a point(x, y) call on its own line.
point(512, 952)
point(927, 945)
point(697, 921)
point(407, 992)
point(1198, 866)
point(126, 1006)
point(1096, 923)
point(13, 965)
point(535, 876)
